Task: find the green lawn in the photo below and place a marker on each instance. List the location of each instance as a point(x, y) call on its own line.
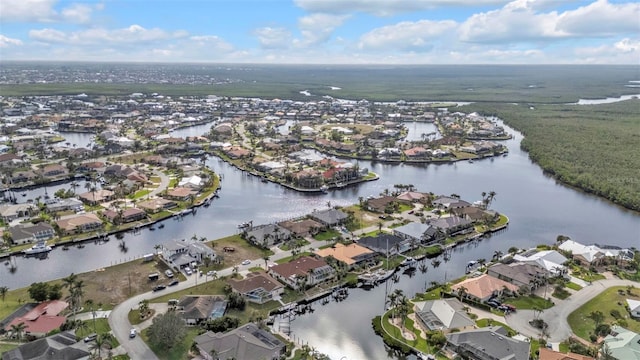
point(573, 286)
point(326, 235)
point(179, 352)
point(289, 258)
point(529, 302)
point(607, 301)
point(139, 194)
point(6, 347)
point(481, 323)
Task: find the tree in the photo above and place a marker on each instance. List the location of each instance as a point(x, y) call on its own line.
point(55, 292)
point(18, 329)
point(167, 330)
point(143, 307)
point(497, 255)
point(3, 292)
point(597, 317)
point(39, 291)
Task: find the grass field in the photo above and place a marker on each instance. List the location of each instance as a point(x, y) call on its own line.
point(609, 300)
point(529, 302)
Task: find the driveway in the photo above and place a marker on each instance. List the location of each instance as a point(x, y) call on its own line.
point(556, 317)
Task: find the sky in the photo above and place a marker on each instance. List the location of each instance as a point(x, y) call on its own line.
point(323, 31)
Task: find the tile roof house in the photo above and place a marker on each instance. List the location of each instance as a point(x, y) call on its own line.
point(634, 307)
point(127, 215)
point(313, 271)
point(413, 231)
point(623, 343)
point(329, 217)
point(196, 309)
point(257, 287)
point(180, 193)
point(413, 197)
point(443, 314)
point(247, 342)
point(54, 170)
point(26, 233)
point(351, 254)
point(11, 212)
point(156, 205)
point(267, 235)
point(379, 204)
point(42, 318)
point(548, 354)
point(79, 223)
point(484, 287)
point(304, 227)
point(519, 274)
point(181, 253)
point(385, 243)
point(487, 343)
point(64, 204)
point(62, 346)
point(97, 196)
point(448, 202)
point(452, 225)
point(549, 260)
point(594, 254)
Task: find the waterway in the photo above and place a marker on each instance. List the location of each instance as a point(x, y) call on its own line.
point(539, 209)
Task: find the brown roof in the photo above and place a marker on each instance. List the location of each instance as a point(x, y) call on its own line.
point(78, 220)
point(301, 227)
point(483, 286)
point(300, 266)
point(548, 354)
point(180, 192)
point(344, 253)
point(43, 318)
point(255, 280)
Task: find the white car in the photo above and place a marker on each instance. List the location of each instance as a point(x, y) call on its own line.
point(169, 273)
point(211, 273)
point(132, 333)
point(246, 262)
point(188, 271)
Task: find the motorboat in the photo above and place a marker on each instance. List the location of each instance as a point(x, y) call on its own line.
point(408, 262)
point(324, 188)
point(39, 248)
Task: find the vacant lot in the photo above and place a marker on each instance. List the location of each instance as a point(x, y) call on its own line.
point(242, 251)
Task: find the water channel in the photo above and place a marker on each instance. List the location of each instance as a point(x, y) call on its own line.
point(539, 209)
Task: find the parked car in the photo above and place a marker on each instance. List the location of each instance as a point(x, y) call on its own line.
point(174, 283)
point(132, 333)
point(90, 337)
point(211, 273)
point(159, 287)
point(246, 262)
point(188, 271)
point(169, 273)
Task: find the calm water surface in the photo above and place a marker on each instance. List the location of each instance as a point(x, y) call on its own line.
point(539, 209)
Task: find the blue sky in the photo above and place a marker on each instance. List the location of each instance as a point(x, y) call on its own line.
point(324, 31)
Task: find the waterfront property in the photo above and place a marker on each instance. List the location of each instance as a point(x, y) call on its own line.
point(181, 253)
point(483, 287)
point(247, 342)
point(594, 254)
point(351, 255)
point(385, 244)
point(28, 233)
point(42, 318)
point(79, 223)
point(266, 235)
point(550, 261)
point(257, 287)
point(486, 343)
point(443, 314)
point(329, 217)
point(302, 272)
point(522, 275)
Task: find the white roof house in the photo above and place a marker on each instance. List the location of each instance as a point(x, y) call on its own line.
point(634, 307)
point(194, 181)
point(550, 260)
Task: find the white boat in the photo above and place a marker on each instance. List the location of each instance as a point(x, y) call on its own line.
point(383, 275)
point(408, 262)
point(324, 188)
point(38, 248)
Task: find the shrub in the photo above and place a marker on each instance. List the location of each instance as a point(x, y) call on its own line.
point(603, 329)
point(616, 314)
point(593, 338)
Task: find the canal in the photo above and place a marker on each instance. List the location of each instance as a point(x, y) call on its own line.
point(539, 209)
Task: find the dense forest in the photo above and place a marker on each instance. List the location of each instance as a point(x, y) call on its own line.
point(593, 147)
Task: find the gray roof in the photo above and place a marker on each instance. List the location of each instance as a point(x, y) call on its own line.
point(25, 231)
point(62, 346)
point(247, 342)
point(489, 342)
point(413, 229)
point(449, 222)
point(443, 314)
point(381, 243)
point(329, 216)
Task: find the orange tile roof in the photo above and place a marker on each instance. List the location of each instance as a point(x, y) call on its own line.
point(483, 286)
point(344, 253)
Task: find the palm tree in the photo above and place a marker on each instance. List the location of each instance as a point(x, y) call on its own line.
point(3, 292)
point(266, 261)
point(143, 307)
point(69, 281)
point(89, 303)
point(18, 329)
point(497, 255)
point(462, 292)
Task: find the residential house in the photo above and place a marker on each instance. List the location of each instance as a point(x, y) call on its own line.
point(10, 160)
point(443, 315)
point(42, 319)
point(64, 345)
point(522, 275)
point(54, 170)
point(55, 205)
point(180, 193)
point(448, 203)
point(307, 179)
point(379, 204)
point(306, 270)
point(156, 205)
point(181, 253)
point(329, 217)
point(413, 232)
point(197, 309)
point(302, 227)
point(634, 308)
point(549, 260)
point(126, 216)
point(594, 254)
point(548, 354)
point(27, 233)
point(487, 343)
point(351, 254)
point(236, 152)
point(23, 177)
point(474, 214)
point(79, 223)
point(91, 166)
point(452, 225)
point(623, 344)
point(192, 182)
point(257, 287)
point(97, 196)
point(267, 235)
point(10, 212)
point(385, 244)
point(410, 197)
point(247, 342)
point(483, 287)
point(417, 153)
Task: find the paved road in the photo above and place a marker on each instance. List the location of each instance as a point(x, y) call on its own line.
point(164, 183)
point(556, 317)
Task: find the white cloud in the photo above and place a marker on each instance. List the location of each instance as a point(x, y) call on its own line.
point(386, 7)
point(317, 28)
point(7, 41)
point(407, 35)
point(131, 34)
point(520, 21)
point(624, 51)
point(273, 37)
point(43, 11)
